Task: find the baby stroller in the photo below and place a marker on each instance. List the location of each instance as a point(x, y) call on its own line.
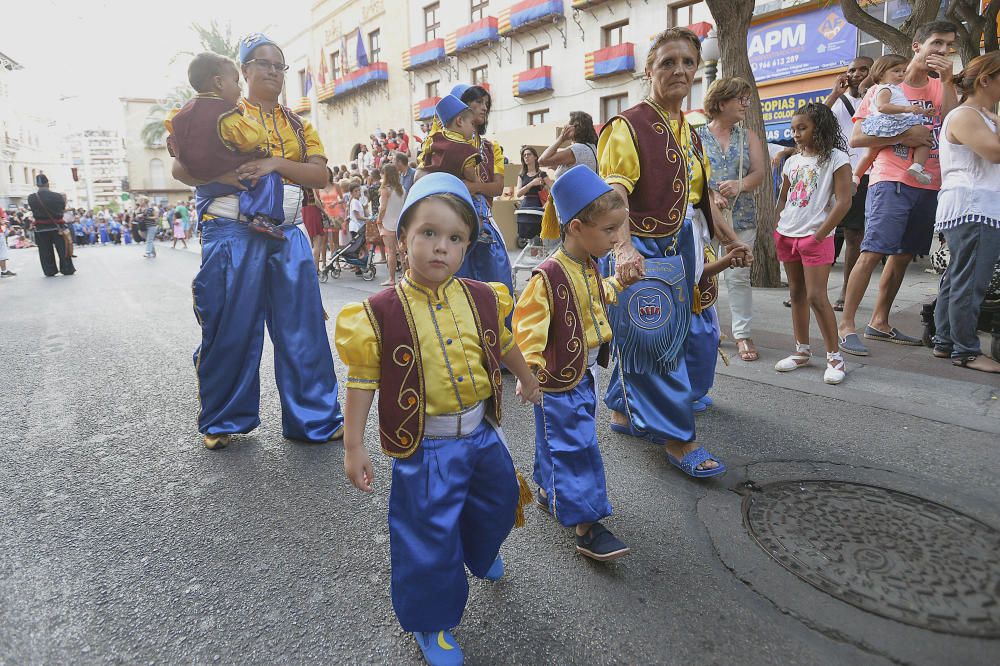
point(347, 257)
point(989, 314)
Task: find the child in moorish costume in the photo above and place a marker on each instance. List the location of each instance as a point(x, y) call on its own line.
point(487, 260)
point(561, 326)
point(211, 135)
point(452, 149)
point(432, 346)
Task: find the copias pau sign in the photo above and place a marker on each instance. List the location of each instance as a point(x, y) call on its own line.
point(804, 43)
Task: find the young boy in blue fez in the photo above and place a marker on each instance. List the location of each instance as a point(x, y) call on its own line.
point(211, 136)
point(453, 149)
point(432, 347)
point(561, 326)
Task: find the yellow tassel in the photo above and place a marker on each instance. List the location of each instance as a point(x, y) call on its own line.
point(550, 221)
point(725, 356)
point(524, 499)
point(696, 303)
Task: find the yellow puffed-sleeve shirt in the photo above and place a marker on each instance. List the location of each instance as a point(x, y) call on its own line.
point(239, 131)
point(618, 157)
point(281, 141)
point(452, 358)
point(532, 315)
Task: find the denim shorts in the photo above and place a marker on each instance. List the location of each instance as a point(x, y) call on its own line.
point(900, 219)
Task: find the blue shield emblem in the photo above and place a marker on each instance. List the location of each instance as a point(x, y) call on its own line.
point(649, 307)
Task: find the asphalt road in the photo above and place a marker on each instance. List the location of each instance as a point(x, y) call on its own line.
point(123, 540)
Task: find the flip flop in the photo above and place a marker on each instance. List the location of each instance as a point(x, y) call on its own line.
point(689, 464)
point(838, 306)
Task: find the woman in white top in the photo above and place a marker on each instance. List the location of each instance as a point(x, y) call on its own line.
point(582, 150)
point(968, 212)
point(391, 198)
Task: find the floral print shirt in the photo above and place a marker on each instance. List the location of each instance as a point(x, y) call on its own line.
point(725, 166)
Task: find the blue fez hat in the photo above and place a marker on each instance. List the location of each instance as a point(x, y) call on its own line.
point(252, 41)
point(449, 107)
point(459, 89)
point(576, 189)
point(437, 183)
point(41, 180)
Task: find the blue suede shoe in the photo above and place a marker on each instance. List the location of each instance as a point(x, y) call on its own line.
point(440, 648)
point(701, 404)
point(496, 570)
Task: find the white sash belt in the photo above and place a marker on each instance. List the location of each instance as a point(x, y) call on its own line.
point(592, 357)
point(462, 424)
point(229, 205)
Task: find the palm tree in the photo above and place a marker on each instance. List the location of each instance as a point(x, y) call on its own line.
point(153, 132)
point(213, 38)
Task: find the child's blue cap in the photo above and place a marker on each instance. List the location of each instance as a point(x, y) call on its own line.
point(437, 183)
point(252, 41)
point(449, 107)
point(576, 189)
point(459, 89)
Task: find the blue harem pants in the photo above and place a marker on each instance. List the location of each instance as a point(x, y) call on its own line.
point(245, 281)
point(702, 351)
point(451, 506)
point(568, 463)
point(658, 406)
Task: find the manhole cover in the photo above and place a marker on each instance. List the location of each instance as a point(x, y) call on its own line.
point(897, 555)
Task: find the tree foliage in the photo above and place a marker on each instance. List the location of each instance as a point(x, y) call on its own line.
point(974, 28)
point(214, 38)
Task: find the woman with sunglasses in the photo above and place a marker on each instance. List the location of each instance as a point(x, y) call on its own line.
point(244, 282)
point(736, 156)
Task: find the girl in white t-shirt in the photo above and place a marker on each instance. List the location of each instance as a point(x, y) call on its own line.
point(815, 196)
point(894, 114)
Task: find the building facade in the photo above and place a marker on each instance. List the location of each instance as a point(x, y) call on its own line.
point(98, 158)
point(346, 72)
point(29, 144)
point(148, 167)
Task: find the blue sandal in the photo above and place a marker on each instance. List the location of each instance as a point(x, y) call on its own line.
point(440, 648)
point(689, 464)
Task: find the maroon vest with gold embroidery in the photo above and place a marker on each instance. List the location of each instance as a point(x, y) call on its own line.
point(566, 352)
point(197, 140)
point(708, 291)
point(486, 165)
point(447, 155)
point(402, 393)
point(659, 200)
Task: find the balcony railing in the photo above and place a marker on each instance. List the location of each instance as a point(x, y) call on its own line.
point(424, 109)
point(359, 79)
point(525, 14)
point(424, 54)
point(474, 35)
point(611, 60)
point(533, 81)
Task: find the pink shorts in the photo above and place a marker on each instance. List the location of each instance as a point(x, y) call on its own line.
point(804, 250)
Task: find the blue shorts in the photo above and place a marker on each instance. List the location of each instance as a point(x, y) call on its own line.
point(900, 219)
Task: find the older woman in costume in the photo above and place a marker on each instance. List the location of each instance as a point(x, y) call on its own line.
point(487, 260)
point(247, 280)
point(654, 159)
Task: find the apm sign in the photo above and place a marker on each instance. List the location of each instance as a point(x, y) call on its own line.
point(804, 43)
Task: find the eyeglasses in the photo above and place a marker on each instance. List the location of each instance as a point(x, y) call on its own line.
point(276, 67)
point(745, 100)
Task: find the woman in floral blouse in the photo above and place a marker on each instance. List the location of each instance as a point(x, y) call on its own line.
point(724, 140)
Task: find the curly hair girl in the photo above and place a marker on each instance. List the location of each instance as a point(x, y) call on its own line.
point(826, 136)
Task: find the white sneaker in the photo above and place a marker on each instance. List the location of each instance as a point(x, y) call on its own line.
point(835, 368)
point(918, 172)
point(800, 358)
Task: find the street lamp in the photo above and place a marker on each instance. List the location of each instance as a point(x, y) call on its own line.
point(710, 54)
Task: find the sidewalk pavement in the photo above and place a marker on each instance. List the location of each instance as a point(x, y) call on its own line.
point(903, 379)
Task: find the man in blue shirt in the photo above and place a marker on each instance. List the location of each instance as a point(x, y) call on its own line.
point(406, 172)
